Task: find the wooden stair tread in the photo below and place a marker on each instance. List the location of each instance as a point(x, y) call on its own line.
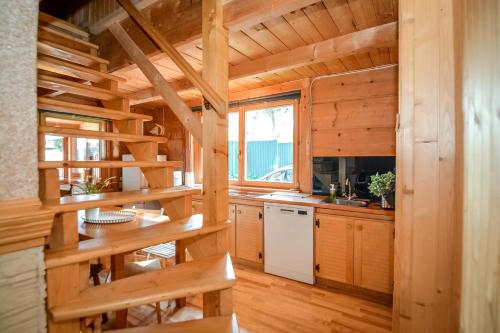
point(45, 18)
point(192, 278)
point(46, 33)
point(79, 133)
point(76, 88)
point(77, 71)
point(69, 54)
point(50, 104)
point(221, 324)
point(77, 202)
point(131, 240)
point(109, 164)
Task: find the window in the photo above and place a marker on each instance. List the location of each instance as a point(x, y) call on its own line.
point(58, 148)
point(261, 145)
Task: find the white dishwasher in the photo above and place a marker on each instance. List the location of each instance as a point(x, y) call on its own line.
point(288, 241)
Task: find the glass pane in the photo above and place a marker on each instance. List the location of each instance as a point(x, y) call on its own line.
point(54, 150)
point(86, 150)
point(269, 144)
point(233, 145)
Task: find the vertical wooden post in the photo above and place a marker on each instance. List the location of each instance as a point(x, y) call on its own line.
point(64, 283)
point(215, 72)
point(426, 207)
point(215, 168)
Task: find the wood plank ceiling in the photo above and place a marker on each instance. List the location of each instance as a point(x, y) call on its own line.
point(318, 22)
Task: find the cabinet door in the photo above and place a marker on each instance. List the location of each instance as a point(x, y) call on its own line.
point(198, 209)
point(334, 247)
point(232, 230)
point(374, 255)
point(249, 233)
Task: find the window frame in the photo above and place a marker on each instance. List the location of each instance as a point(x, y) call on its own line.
point(242, 144)
point(69, 143)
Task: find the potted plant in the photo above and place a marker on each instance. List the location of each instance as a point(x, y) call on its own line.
point(93, 185)
point(383, 186)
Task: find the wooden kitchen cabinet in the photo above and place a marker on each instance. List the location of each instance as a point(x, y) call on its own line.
point(250, 233)
point(355, 251)
point(374, 255)
point(232, 230)
point(334, 247)
point(198, 209)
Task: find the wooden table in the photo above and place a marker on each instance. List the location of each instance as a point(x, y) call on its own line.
point(144, 218)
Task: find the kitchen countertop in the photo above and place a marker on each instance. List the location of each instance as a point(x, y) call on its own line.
point(304, 199)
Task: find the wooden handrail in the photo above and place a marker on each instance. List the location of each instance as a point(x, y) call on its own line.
point(192, 75)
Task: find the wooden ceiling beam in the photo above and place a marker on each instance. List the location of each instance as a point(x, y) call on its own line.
point(337, 47)
point(333, 48)
point(165, 90)
point(191, 74)
point(181, 26)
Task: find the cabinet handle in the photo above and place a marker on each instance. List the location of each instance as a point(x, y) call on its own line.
point(359, 227)
point(260, 216)
point(260, 255)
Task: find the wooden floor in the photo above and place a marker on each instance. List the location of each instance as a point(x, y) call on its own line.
point(267, 304)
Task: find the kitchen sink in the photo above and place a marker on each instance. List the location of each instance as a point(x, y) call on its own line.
point(346, 202)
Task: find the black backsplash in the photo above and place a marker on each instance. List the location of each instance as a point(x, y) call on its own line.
point(334, 170)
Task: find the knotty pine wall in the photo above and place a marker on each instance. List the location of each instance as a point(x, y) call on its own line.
point(480, 24)
point(175, 148)
point(355, 114)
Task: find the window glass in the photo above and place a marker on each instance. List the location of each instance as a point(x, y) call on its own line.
point(86, 150)
point(58, 148)
point(269, 144)
point(233, 144)
point(54, 148)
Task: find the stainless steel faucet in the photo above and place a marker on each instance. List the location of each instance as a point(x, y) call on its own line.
point(348, 189)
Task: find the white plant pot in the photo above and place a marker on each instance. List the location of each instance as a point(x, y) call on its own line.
point(92, 213)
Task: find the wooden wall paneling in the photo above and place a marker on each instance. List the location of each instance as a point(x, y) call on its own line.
point(355, 114)
point(304, 145)
point(478, 35)
point(426, 207)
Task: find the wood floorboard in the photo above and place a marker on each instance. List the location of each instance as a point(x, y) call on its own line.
point(268, 304)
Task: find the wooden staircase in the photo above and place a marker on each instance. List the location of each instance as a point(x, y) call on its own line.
point(73, 79)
